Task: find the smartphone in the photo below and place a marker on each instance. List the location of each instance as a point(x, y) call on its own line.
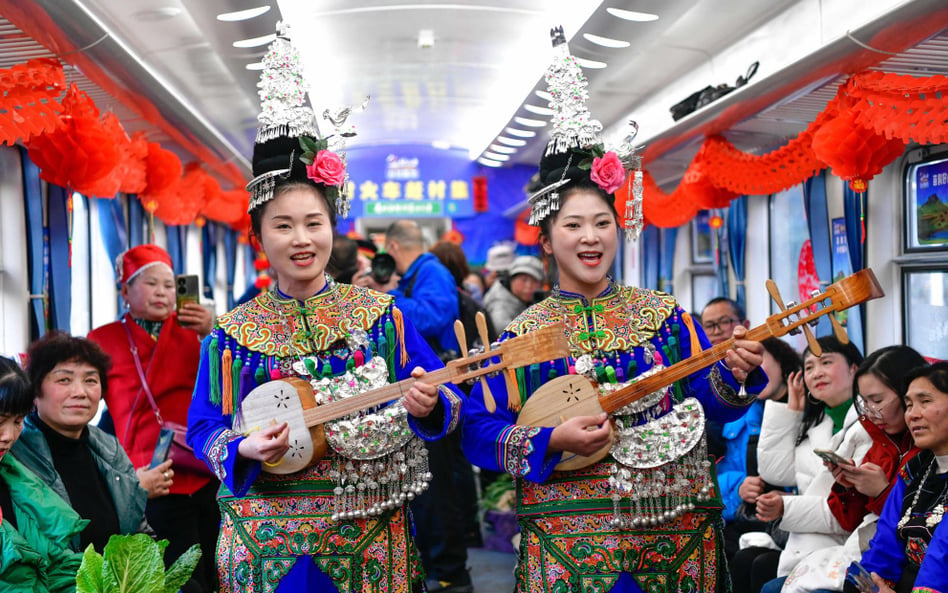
point(165, 438)
point(860, 578)
point(831, 457)
point(187, 289)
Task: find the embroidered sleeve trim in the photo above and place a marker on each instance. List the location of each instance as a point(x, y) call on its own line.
point(216, 451)
point(723, 391)
point(454, 409)
point(515, 447)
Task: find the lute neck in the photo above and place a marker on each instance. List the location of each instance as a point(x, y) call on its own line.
point(694, 363)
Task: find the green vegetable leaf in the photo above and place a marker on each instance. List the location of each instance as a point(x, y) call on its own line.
point(181, 570)
point(89, 577)
point(133, 564)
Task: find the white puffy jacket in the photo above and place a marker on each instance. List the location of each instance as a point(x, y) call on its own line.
point(806, 516)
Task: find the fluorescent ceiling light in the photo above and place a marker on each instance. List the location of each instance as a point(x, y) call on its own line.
point(511, 141)
point(519, 134)
point(590, 63)
point(502, 149)
point(243, 15)
point(255, 41)
point(488, 162)
point(532, 123)
point(605, 41)
point(538, 110)
point(543, 95)
point(632, 15)
point(441, 144)
point(496, 157)
point(254, 66)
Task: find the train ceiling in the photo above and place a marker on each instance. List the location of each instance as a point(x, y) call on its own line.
point(460, 73)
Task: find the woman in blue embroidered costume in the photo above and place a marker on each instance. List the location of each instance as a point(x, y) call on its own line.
point(339, 524)
point(630, 522)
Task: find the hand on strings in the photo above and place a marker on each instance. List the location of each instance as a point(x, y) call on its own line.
point(157, 480)
point(796, 392)
point(744, 356)
point(750, 489)
point(196, 317)
point(769, 506)
point(868, 478)
point(422, 397)
point(268, 445)
point(583, 435)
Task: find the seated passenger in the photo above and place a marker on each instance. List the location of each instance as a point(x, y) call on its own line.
point(36, 526)
point(85, 466)
point(907, 552)
point(818, 417)
point(881, 383)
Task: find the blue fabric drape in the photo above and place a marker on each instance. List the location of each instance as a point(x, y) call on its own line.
point(178, 246)
point(854, 209)
point(60, 266)
point(737, 239)
point(230, 263)
point(36, 244)
point(650, 256)
point(136, 221)
point(209, 236)
point(114, 235)
point(719, 245)
point(667, 271)
point(817, 217)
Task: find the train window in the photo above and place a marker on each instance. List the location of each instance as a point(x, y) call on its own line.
point(789, 242)
point(926, 205)
point(80, 314)
point(925, 293)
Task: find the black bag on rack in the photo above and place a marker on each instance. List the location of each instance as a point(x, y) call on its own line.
point(709, 94)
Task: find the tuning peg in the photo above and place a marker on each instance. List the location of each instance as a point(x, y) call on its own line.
point(838, 329)
point(489, 402)
point(810, 338)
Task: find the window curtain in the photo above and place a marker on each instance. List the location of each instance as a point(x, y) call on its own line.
point(230, 263)
point(720, 249)
point(209, 237)
point(650, 256)
point(114, 235)
point(60, 264)
point(136, 221)
point(36, 254)
point(814, 202)
point(854, 212)
point(178, 246)
point(736, 241)
point(666, 281)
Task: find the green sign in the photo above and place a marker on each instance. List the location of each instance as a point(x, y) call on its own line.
point(403, 208)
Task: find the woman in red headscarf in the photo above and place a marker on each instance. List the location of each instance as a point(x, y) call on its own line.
point(155, 352)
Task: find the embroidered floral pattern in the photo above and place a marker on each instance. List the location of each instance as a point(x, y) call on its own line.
point(622, 319)
point(516, 448)
point(723, 391)
point(264, 531)
point(322, 320)
point(217, 450)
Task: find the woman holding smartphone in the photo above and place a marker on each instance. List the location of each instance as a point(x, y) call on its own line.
point(155, 351)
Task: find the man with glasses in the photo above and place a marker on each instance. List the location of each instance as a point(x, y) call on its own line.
point(719, 318)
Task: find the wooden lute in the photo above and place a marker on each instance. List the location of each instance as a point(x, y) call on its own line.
point(569, 396)
point(291, 400)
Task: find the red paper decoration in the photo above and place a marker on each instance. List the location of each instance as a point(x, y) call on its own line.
point(29, 106)
point(855, 154)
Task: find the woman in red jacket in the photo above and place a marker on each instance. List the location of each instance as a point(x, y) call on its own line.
point(155, 353)
point(864, 488)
